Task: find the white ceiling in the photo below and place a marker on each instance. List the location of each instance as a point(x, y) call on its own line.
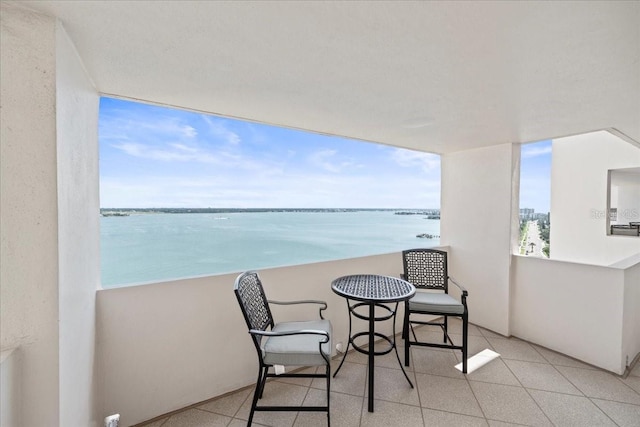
point(434, 76)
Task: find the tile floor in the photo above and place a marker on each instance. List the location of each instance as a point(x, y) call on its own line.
point(528, 385)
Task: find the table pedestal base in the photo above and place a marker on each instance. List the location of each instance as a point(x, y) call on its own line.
point(372, 334)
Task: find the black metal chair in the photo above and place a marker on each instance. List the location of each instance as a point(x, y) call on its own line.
point(304, 343)
point(427, 270)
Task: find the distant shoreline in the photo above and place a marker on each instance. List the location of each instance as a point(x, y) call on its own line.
point(128, 211)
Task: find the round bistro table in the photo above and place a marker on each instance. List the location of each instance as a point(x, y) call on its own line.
point(372, 291)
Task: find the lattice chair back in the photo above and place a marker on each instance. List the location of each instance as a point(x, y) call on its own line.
point(253, 302)
point(426, 268)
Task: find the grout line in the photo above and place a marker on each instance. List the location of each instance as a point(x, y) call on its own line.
point(526, 390)
point(249, 395)
point(602, 410)
point(466, 377)
point(415, 380)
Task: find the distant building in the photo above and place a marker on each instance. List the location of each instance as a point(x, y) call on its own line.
point(527, 213)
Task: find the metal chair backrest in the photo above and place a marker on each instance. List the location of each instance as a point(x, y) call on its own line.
point(253, 303)
point(426, 268)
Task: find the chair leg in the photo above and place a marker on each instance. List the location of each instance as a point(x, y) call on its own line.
point(258, 392)
point(444, 337)
point(264, 381)
point(329, 395)
point(405, 332)
point(465, 328)
point(407, 347)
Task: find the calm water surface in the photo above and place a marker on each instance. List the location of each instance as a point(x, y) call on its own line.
point(155, 247)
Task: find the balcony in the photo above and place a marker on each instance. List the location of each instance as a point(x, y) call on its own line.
point(469, 81)
point(160, 345)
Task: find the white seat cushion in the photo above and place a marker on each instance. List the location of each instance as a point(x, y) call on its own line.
point(440, 303)
point(297, 350)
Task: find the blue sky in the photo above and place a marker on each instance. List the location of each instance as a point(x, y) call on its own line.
point(152, 156)
point(535, 176)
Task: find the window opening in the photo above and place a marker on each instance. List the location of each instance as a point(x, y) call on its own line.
point(185, 194)
point(535, 199)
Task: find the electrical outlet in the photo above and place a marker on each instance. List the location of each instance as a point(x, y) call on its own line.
point(112, 420)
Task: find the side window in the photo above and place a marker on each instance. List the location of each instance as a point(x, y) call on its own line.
point(623, 200)
point(535, 199)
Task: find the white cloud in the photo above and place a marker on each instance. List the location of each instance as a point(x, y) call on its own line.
point(408, 158)
point(322, 159)
point(172, 152)
point(189, 131)
point(182, 147)
point(535, 151)
point(217, 128)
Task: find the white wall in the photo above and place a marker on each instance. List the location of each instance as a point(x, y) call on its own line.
point(579, 198)
point(478, 187)
point(49, 194)
point(78, 233)
point(577, 309)
point(168, 345)
point(10, 395)
point(29, 228)
point(631, 313)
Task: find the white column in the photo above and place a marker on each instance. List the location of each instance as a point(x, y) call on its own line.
point(77, 106)
point(479, 211)
point(28, 193)
point(49, 222)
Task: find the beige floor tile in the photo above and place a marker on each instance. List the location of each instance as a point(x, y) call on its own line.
point(475, 344)
point(391, 414)
point(350, 380)
point(624, 414)
point(490, 334)
point(515, 349)
point(541, 376)
point(306, 382)
point(447, 394)
point(454, 327)
point(157, 423)
point(228, 405)
point(495, 372)
point(275, 393)
point(389, 360)
point(391, 385)
point(242, 423)
point(633, 382)
point(494, 423)
point(635, 372)
point(600, 384)
point(429, 361)
point(345, 410)
point(560, 359)
point(434, 418)
point(507, 403)
point(568, 410)
point(430, 336)
point(196, 418)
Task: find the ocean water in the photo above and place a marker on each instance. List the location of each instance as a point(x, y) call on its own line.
point(152, 247)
